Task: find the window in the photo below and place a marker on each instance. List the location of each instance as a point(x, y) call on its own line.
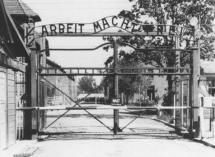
point(151, 92)
point(211, 87)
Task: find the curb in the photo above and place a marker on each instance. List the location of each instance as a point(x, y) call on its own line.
point(193, 139)
point(162, 121)
point(204, 143)
point(29, 151)
point(25, 148)
point(179, 131)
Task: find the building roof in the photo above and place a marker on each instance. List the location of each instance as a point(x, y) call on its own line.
point(55, 65)
point(5, 33)
point(92, 95)
point(19, 8)
point(10, 35)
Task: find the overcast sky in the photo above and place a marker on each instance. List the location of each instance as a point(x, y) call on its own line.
point(77, 11)
point(80, 11)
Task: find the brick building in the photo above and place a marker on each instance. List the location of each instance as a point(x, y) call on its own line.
point(67, 84)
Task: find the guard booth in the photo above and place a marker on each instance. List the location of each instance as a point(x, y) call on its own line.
point(207, 117)
point(181, 98)
point(189, 113)
point(207, 104)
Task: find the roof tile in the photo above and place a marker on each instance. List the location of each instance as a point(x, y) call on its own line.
point(17, 7)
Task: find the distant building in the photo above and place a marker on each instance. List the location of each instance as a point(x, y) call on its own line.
point(206, 83)
point(154, 88)
point(67, 84)
point(92, 98)
point(208, 77)
point(157, 89)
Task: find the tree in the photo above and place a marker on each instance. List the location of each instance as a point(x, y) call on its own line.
point(87, 84)
point(178, 12)
point(172, 12)
point(128, 85)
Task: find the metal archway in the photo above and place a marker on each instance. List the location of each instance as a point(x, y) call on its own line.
point(129, 30)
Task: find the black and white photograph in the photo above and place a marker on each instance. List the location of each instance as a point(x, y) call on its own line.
point(107, 78)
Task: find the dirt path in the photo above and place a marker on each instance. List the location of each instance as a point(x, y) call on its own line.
point(149, 139)
point(123, 148)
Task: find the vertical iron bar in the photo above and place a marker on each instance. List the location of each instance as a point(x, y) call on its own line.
point(178, 83)
point(191, 95)
point(116, 89)
point(211, 110)
point(38, 94)
point(174, 110)
point(38, 122)
point(182, 103)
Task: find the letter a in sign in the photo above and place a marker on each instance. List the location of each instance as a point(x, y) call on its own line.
point(105, 23)
point(44, 31)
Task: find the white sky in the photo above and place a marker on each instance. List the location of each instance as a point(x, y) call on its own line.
point(80, 11)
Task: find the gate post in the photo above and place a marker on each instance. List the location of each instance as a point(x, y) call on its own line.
point(27, 114)
point(178, 93)
point(116, 89)
point(31, 93)
point(196, 104)
point(38, 118)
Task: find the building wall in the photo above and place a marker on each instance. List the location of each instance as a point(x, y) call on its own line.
point(3, 107)
point(11, 92)
point(11, 106)
point(7, 108)
point(65, 84)
point(160, 84)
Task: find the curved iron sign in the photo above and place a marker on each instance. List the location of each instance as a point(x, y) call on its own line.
point(100, 27)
